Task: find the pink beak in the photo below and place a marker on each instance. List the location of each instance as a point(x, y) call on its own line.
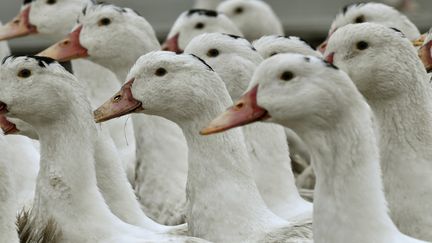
point(330, 58)
point(18, 26)
point(122, 103)
point(67, 49)
point(426, 55)
point(171, 44)
point(245, 111)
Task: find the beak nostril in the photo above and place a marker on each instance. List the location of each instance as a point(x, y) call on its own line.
point(66, 42)
point(16, 21)
point(117, 98)
point(239, 105)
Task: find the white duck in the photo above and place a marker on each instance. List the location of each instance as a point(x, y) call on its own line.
point(195, 22)
point(224, 204)
point(322, 105)
point(254, 18)
point(115, 37)
point(235, 60)
point(386, 69)
point(374, 13)
point(67, 152)
point(53, 20)
point(111, 178)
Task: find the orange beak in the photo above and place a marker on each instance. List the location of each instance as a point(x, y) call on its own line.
point(18, 26)
point(426, 55)
point(7, 126)
point(245, 111)
point(171, 44)
point(122, 103)
point(68, 49)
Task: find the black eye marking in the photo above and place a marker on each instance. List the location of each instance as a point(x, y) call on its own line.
point(238, 10)
point(84, 10)
point(104, 22)
point(206, 12)
point(287, 76)
point(24, 73)
point(307, 59)
point(398, 31)
point(233, 36)
point(51, 2)
point(253, 48)
point(359, 19)
point(330, 65)
point(213, 53)
point(201, 60)
point(362, 45)
point(199, 26)
point(274, 54)
point(160, 72)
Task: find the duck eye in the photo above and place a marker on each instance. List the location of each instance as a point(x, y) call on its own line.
point(213, 53)
point(238, 10)
point(199, 26)
point(274, 53)
point(51, 2)
point(359, 19)
point(104, 22)
point(160, 72)
point(287, 76)
point(24, 73)
point(362, 45)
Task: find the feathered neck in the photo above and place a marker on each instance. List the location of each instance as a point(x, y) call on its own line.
point(349, 203)
point(224, 202)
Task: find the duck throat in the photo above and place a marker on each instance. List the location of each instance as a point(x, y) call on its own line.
point(66, 188)
point(349, 202)
point(224, 204)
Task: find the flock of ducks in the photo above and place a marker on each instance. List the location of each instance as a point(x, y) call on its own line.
point(350, 120)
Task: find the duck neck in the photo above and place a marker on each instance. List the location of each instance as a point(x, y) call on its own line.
point(8, 198)
point(66, 186)
point(224, 202)
point(349, 202)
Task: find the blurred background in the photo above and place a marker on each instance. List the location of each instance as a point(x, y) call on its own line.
point(309, 19)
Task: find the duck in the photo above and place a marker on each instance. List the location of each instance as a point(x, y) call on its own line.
point(374, 13)
point(386, 69)
point(111, 178)
point(82, 215)
point(235, 60)
point(52, 20)
point(244, 14)
point(224, 204)
point(194, 22)
point(161, 146)
point(337, 124)
point(269, 46)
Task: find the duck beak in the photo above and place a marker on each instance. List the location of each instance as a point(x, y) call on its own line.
point(122, 103)
point(171, 44)
point(419, 41)
point(7, 126)
point(330, 58)
point(68, 49)
point(245, 111)
point(426, 55)
point(18, 26)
